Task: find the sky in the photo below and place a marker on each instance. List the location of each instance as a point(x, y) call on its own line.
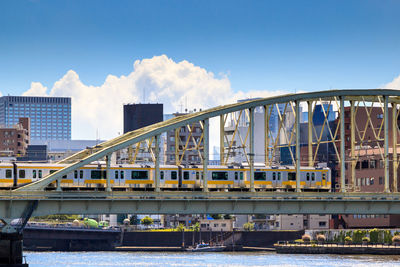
point(195, 54)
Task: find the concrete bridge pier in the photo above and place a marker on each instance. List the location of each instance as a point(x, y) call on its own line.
point(11, 247)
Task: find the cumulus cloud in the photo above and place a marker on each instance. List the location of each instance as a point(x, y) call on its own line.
point(395, 84)
point(159, 78)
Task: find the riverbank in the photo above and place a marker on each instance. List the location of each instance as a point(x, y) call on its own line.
point(376, 249)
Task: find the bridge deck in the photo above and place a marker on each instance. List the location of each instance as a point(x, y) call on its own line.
point(13, 203)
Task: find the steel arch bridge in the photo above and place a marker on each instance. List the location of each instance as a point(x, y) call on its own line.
point(354, 100)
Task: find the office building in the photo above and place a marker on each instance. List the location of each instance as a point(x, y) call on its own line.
point(50, 117)
point(137, 116)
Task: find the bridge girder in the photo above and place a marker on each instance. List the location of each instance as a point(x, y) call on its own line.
point(100, 151)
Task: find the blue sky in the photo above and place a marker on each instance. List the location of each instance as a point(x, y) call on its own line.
point(260, 45)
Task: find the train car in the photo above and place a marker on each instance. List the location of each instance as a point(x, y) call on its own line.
point(140, 177)
point(284, 177)
point(7, 175)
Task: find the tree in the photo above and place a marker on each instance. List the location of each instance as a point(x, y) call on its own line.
point(248, 226)
point(227, 216)
point(146, 221)
point(195, 227)
point(180, 228)
point(216, 216)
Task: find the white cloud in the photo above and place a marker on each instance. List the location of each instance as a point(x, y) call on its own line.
point(395, 84)
point(163, 81)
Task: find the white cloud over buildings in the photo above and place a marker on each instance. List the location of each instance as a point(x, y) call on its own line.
point(160, 79)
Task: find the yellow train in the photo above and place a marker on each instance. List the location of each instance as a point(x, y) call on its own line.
point(141, 177)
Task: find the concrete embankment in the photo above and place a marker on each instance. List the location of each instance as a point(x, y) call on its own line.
point(48, 238)
point(337, 249)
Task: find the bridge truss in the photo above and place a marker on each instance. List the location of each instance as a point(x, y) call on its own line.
point(288, 109)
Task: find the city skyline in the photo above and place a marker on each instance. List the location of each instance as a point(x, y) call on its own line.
point(191, 54)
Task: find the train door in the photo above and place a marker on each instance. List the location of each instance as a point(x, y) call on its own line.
point(179, 177)
point(275, 179)
point(78, 177)
point(308, 180)
point(324, 184)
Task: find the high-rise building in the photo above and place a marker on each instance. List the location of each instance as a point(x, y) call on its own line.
point(137, 116)
point(50, 117)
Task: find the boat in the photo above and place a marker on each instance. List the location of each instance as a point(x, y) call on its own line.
point(207, 248)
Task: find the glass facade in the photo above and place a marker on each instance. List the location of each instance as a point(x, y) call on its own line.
point(50, 116)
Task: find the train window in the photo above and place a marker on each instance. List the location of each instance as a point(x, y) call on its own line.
point(323, 176)
point(51, 171)
point(76, 174)
point(313, 176)
point(34, 174)
point(185, 175)
point(21, 173)
point(8, 173)
point(162, 175)
point(40, 173)
point(64, 177)
point(197, 176)
point(279, 176)
point(241, 175)
point(122, 174)
point(236, 176)
point(308, 176)
point(139, 175)
point(173, 175)
point(219, 175)
point(274, 176)
point(81, 174)
point(259, 176)
point(291, 176)
point(96, 174)
point(116, 174)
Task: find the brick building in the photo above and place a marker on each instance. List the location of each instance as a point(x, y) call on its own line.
point(14, 140)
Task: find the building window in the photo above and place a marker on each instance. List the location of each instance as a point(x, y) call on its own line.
point(322, 224)
point(380, 180)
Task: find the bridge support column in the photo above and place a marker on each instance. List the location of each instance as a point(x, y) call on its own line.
point(251, 125)
point(58, 184)
point(394, 133)
point(353, 143)
point(342, 150)
point(221, 140)
point(108, 173)
point(205, 153)
point(266, 134)
point(297, 115)
point(157, 163)
point(386, 142)
point(310, 134)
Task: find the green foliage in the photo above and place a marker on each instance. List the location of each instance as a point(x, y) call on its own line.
point(387, 237)
point(365, 239)
point(216, 216)
point(396, 233)
point(195, 227)
point(299, 241)
point(339, 238)
point(59, 217)
point(248, 226)
point(374, 235)
point(227, 216)
point(180, 228)
point(358, 235)
point(348, 239)
point(147, 221)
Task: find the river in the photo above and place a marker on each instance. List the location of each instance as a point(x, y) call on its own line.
point(232, 259)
